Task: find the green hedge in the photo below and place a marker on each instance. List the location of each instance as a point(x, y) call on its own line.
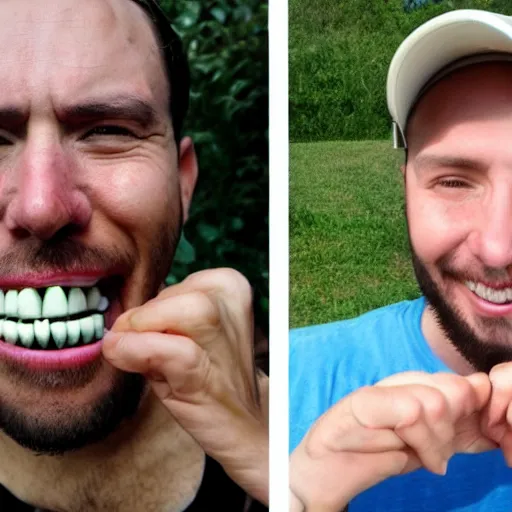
point(228, 119)
point(339, 54)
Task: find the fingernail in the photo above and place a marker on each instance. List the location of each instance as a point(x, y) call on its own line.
point(112, 338)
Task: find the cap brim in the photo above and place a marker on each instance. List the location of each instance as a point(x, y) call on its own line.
point(437, 43)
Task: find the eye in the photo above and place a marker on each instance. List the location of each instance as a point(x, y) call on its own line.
point(453, 183)
point(109, 130)
point(4, 141)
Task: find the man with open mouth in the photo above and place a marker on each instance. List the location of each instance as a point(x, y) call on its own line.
point(408, 408)
point(117, 394)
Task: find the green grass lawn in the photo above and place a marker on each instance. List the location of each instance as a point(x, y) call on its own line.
point(339, 54)
point(348, 244)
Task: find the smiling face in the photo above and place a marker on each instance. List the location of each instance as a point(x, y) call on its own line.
point(92, 197)
point(458, 183)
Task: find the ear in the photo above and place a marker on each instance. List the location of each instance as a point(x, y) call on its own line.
point(188, 173)
point(403, 168)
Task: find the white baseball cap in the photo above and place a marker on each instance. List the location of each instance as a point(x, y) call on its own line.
point(436, 48)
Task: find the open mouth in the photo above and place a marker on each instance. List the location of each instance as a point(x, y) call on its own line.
point(501, 296)
point(56, 317)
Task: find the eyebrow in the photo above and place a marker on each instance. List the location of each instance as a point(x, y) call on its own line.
point(427, 162)
point(125, 108)
point(12, 117)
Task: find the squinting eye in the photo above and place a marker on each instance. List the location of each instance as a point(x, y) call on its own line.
point(453, 183)
point(109, 130)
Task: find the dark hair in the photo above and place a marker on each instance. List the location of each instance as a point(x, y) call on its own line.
point(176, 64)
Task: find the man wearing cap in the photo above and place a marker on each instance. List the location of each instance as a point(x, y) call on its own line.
point(117, 394)
point(409, 407)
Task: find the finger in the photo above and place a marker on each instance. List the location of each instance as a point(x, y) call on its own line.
point(482, 388)
point(189, 314)
point(176, 360)
point(494, 419)
point(465, 395)
point(365, 421)
point(229, 290)
point(431, 435)
point(443, 401)
point(224, 282)
point(506, 447)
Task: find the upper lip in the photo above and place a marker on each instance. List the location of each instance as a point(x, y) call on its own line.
point(45, 279)
point(494, 286)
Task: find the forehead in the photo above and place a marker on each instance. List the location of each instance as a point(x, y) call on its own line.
point(474, 102)
point(69, 49)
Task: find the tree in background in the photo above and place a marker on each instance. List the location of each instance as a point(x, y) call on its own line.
point(227, 46)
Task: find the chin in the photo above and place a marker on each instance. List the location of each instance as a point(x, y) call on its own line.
point(61, 411)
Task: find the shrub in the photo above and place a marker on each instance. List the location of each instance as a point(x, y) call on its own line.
point(228, 121)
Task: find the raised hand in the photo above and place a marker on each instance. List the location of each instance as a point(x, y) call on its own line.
point(194, 344)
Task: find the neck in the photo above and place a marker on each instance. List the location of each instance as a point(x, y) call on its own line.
point(441, 344)
point(149, 463)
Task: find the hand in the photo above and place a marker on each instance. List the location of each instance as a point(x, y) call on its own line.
point(194, 344)
point(497, 417)
point(404, 422)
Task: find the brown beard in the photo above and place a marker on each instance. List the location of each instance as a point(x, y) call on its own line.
point(68, 428)
point(482, 354)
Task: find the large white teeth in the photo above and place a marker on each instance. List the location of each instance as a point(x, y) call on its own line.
point(29, 304)
point(93, 298)
point(10, 331)
point(55, 303)
point(63, 333)
point(26, 333)
point(471, 285)
point(42, 332)
point(59, 333)
point(11, 303)
point(87, 328)
point(73, 328)
point(31, 319)
point(76, 301)
point(500, 296)
point(99, 325)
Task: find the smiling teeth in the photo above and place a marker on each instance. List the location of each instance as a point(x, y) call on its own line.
point(502, 296)
point(29, 303)
point(52, 318)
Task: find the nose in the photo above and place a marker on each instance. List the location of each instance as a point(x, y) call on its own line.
point(42, 196)
point(491, 242)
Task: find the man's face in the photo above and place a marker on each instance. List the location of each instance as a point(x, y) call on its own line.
point(91, 198)
point(459, 208)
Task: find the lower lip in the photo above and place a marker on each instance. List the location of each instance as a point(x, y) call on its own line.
point(486, 308)
point(51, 360)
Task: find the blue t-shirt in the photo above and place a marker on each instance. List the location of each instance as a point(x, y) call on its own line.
point(330, 361)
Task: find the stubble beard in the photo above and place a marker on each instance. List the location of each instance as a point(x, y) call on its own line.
point(65, 428)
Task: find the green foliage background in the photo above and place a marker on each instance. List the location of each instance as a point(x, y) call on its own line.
point(227, 46)
point(339, 53)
